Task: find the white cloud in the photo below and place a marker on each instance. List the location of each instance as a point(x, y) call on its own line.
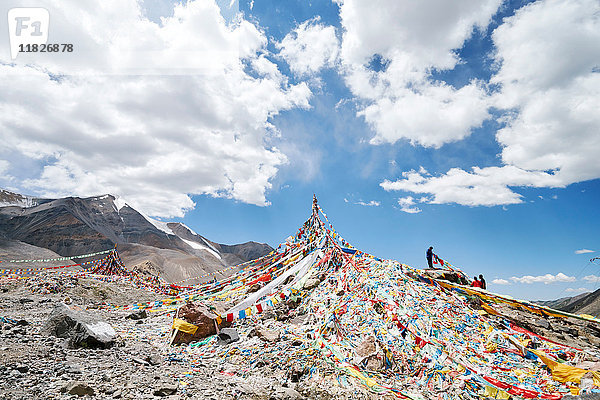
point(407, 205)
point(548, 52)
point(310, 47)
point(410, 41)
point(549, 87)
point(482, 186)
point(500, 282)
point(372, 203)
point(592, 278)
point(583, 251)
point(4, 165)
point(578, 290)
point(145, 111)
point(545, 279)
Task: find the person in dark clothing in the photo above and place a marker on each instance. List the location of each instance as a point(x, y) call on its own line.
point(482, 282)
point(430, 256)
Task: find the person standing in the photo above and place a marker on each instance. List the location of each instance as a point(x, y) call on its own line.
point(430, 256)
point(482, 282)
point(476, 282)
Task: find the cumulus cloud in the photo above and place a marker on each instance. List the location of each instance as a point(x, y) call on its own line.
point(372, 203)
point(390, 50)
point(481, 187)
point(583, 251)
point(592, 278)
point(549, 90)
point(545, 279)
point(309, 47)
point(407, 205)
point(548, 54)
point(150, 112)
point(500, 282)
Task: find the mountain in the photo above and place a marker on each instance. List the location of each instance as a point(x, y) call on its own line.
point(72, 225)
point(585, 303)
point(14, 199)
point(559, 304)
point(588, 303)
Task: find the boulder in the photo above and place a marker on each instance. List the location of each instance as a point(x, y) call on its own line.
point(78, 388)
point(199, 315)
point(82, 329)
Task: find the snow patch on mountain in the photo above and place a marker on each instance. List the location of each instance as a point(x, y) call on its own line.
point(119, 203)
point(198, 246)
point(162, 226)
point(8, 199)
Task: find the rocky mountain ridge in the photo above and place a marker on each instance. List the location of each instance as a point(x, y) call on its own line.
point(72, 225)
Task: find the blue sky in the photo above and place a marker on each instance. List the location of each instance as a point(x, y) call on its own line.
point(471, 126)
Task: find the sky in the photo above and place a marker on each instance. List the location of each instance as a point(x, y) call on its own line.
point(470, 126)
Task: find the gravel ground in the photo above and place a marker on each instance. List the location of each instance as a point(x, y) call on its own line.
point(139, 366)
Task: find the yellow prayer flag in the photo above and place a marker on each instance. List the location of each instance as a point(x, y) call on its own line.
point(184, 326)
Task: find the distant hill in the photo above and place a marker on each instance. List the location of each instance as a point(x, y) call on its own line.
point(585, 303)
point(588, 304)
point(72, 225)
point(558, 304)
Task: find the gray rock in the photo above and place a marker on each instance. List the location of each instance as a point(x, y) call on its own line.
point(137, 315)
point(82, 329)
point(311, 283)
point(78, 388)
point(166, 390)
point(227, 336)
point(140, 361)
point(153, 359)
point(543, 323)
point(22, 368)
point(285, 393)
point(266, 335)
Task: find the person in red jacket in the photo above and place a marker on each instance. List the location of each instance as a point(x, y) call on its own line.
point(476, 282)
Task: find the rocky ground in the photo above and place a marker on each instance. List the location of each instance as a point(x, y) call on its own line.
point(140, 364)
point(268, 357)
